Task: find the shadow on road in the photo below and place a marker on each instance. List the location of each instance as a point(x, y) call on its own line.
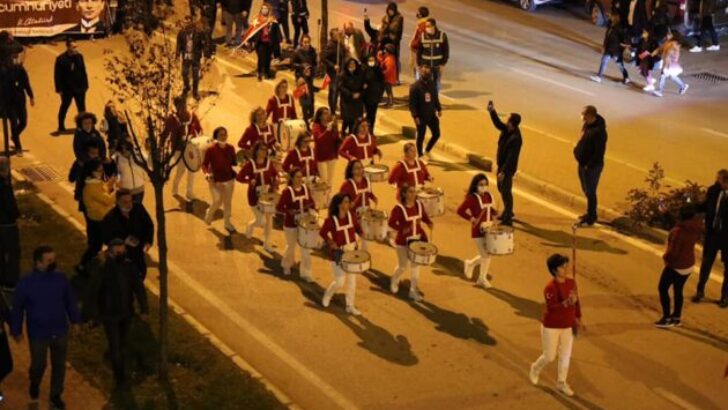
point(521, 306)
point(563, 239)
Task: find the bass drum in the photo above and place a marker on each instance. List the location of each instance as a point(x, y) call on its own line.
point(288, 131)
point(194, 152)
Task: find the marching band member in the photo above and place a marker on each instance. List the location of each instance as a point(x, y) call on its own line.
point(361, 146)
point(340, 231)
point(326, 138)
point(180, 128)
point(261, 176)
point(281, 106)
point(258, 131)
point(357, 186)
point(295, 201)
point(406, 220)
point(477, 208)
point(410, 170)
point(302, 157)
point(218, 168)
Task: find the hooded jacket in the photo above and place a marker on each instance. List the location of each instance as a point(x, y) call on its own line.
point(680, 253)
point(350, 84)
point(392, 27)
point(590, 149)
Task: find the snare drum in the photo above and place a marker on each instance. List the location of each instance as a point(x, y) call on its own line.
point(433, 200)
point(308, 232)
point(422, 253)
point(376, 172)
point(288, 132)
point(499, 240)
point(267, 202)
point(355, 261)
point(320, 194)
point(194, 152)
point(374, 225)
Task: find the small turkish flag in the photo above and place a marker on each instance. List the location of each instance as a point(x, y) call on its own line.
point(327, 81)
point(300, 91)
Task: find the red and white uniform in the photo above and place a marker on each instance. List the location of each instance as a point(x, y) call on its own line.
point(219, 162)
point(262, 174)
point(293, 203)
point(254, 133)
point(479, 207)
point(303, 160)
point(411, 174)
point(362, 149)
point(360, 193)
point(343, 231)
point(325, 142)
point(281, 108)
point(407, 222)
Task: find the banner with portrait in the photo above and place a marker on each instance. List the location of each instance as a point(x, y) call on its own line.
point(46, 18)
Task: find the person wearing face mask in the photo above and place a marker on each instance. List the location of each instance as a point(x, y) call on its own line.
point(265, 36)
point(478, 209)
point(44, 298)
point(218, 167)
point(425, 108)
point(295, 201)
point(301, 157)
point(131, 222)
point(130, 175)
point(423, 14)
point(86, 133)
point(509, 150)
point(410, 170)
point(98, 200)
point(589, 154)
point(9, 232)
point(433, 50)
point(373, 89)
point(119, 285)
point(351, 87)
point(71, 82)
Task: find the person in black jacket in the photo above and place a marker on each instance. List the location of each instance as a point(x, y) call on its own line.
point(334, 55)
point(281, 11)
point(267, 42)
point(373, 89)
point(9, 233)
point(433, 50)
point(299, 17)
point(351, 87)
point(119, 284)
point(509, 150)
point(19, 86)
point(589, 153)
point(715, 207)
point(304, 55)
point(612, 49)
point(235, 12)
point(86, 133)
point(71, 81)
point(191, 45)
point(117, 131)
point(132, 223)
point(425, 108)
point(706, 9)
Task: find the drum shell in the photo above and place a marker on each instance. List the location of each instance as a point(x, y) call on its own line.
point(267, 203)
point(499, 241)
point(308, 235)
point(419, 258)
point(433, 202)
point(376, 173)
point(320, 194)
point(373, 229)
point(356, 266)
point(193, 161)
point(289, 130)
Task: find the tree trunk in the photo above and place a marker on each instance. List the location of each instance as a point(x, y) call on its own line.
point(163, 278)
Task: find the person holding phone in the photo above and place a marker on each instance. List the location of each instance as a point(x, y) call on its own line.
point(509, 150)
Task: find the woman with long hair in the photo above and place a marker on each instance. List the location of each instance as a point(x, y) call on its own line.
point(302, 157)
point(98, 200)
point(361, 145)
point(259, 130)
point(477, 208)
point(358, 187)
point(351, 87)
point(261, 177)
point(340, 232)
point(295, 202)
point(281, 105)
point(406, 221)
point(326, 141)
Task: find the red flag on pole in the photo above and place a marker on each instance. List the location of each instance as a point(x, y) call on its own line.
point(300, 91)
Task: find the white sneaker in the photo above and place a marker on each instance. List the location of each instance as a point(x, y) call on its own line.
point(326, 300)
point(565, 389)
point(249, 231)
point(208, 218)
point(308, 279)
point(657, 93)
point(649, 87)
point(394, 286)
point(415, 296)
point(684, 89)
point(286, 271)
point(268, 248)
point(190, 196)
point(596, 78)
point(468, 269)
point(230, 228)
point(714, 47)
point(696, 49)
point(533, 375)
point(485, 283)
point(353, 311)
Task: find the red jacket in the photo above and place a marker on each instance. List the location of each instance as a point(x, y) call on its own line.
point(253, 134)
point(361, 194)
point(281, 108)
point(680, 253)
point(294, 202)
point(417, 36)
point(325, 143)
point(556, 315)
point(407, 222)
point(342, 231)
point(219, 162)
point(303, 160)
point(414, 175)
point(472, 207)
point(352, 148)
point(175, 130)
point(389, 67)
point(262, 175)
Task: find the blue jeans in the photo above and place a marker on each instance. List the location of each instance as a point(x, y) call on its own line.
point(617, 60)
point(589, 179)
point(675, 78)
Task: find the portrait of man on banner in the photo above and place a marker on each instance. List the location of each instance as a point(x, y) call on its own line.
point(92, 15)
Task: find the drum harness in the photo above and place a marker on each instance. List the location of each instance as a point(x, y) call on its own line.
point(364, 145)
point(306, 160)
point(413, 219)
point(300, 199)
point(338, 253)
point(413, 171)
point(362, 192)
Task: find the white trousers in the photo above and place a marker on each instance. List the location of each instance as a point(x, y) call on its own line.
point(483, 259)
point(341, 278)
point(402, 263)
point(326, 170)
point(553, 341)
point(222, 194)
point(264, 221)
point(289, 257)
point(179, 171)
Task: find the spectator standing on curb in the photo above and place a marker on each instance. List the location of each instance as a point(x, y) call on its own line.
point(132, 223)
point(613, 49)
point(589, 154)
point(235, 12)
point(334, 56)
point(304, 55)
point(354, 42)
point(17, 109)
point(425, 108)
point(45, 300)
point(561, 321)
point(433, 51)
point(509, 151)
point(120, 284)
point(423, 14)
point(715, 208)
point(390, 32)
point(130, 175)
point(706, 11)
point(306, 93)
point(299, 17)
point(679, 259)
point(373, 89)
point(390, 67)
point(351, 87)
point(9, 232)
point(191, 45)
point(85, 135)
point(71, 82)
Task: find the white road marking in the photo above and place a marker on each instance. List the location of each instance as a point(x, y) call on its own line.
point(714, 132)
point(554, 82)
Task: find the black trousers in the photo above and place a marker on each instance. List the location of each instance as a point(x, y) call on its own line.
point(670, 277)
point(94, 240)
point(505, 187)
point(434, 125)
point(9, 255)
point(39, 348)
point(265, 54)
point(190, 68)
point(299, 27)
point(706, 26)
point(18, 116)
point(333, 96)
point(137, 255)
point(589, 179)
point(66, 98)
point(116, 335)
point(283, 21)
point(371, 111)
point(711, 247)
point(307, 107)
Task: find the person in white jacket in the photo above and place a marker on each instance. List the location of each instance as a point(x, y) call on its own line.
point(131, 175)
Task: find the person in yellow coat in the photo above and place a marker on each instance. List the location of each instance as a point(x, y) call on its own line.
point(98, 200)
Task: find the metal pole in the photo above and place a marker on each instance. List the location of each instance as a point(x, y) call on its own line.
point(6, 136)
